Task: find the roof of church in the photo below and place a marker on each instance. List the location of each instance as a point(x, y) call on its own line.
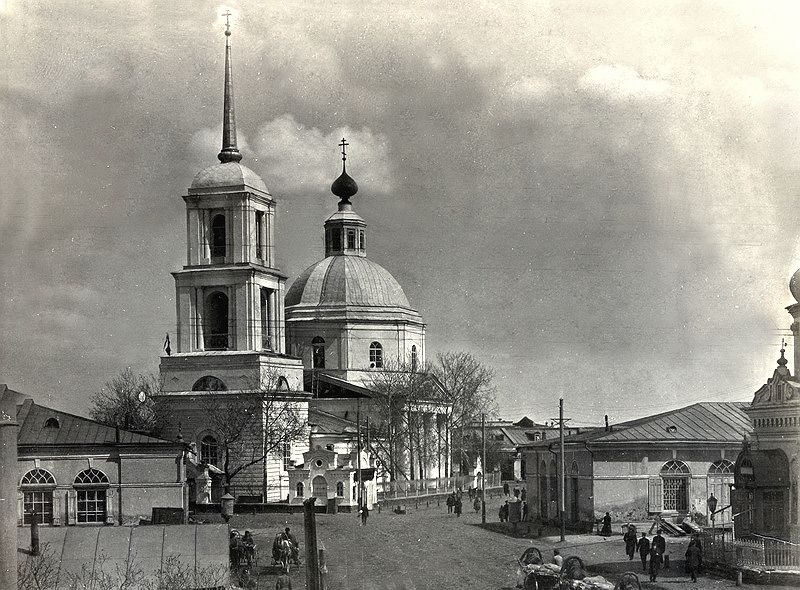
point(346, 280)
point(68, 429)
point(703, 422)
point(228, 175)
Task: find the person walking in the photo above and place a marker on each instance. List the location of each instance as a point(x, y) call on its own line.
point(630, 542)
point(458, 506)
point(644, 549)
point(364, 515)
point(655, 563)
point(451, 501)
point(693, 559)
point(506, 489)
point(606, 530)
point(477, 504)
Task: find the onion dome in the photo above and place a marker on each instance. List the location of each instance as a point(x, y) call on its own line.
point(344, 187)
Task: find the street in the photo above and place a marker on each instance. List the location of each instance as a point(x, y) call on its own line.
point(427, 548)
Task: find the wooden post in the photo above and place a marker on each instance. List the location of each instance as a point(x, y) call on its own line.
point(561, 507)
point(483, 473)
point(312, 553)
point(8, 494)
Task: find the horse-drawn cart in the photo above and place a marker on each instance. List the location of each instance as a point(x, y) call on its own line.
point(533, 574)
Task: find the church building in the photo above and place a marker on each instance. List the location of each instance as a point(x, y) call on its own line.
point(230, 351)
point(350, 321)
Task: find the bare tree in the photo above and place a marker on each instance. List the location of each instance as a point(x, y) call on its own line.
point(403, 440)
point(466, 392)
point(126, 402)
point(253, 423)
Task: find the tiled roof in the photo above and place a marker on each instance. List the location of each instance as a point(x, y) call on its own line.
point(346, 280)
point(712, 422)
point(71, 430)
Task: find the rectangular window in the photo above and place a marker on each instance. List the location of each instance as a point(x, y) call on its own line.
point(351, 238)
point(287, 455)
point(336, 239)
point(676, 493)
point(40, 501)
point(260, 235)
point(266, 328)
point(361, 244)
point(91, 505)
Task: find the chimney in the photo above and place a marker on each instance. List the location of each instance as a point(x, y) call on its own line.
point(607, 428)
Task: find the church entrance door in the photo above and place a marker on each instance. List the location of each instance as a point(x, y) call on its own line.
point(320, 489)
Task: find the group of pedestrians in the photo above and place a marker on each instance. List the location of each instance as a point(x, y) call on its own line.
point(454, 503)
point(656, 551)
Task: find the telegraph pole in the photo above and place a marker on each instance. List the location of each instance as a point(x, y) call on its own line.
point(483, 473)
point(561, 453)
point(358, 447)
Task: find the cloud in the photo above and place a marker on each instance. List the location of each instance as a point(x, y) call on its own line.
point(621, 83)
point(297, 158)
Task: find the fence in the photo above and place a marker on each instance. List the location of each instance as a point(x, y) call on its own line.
point(751, 552)
point(427, 487)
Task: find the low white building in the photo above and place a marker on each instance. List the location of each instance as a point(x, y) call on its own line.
point(333, 477)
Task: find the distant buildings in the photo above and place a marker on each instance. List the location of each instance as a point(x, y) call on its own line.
point(666, 465)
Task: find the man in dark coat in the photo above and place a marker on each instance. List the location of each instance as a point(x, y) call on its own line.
point(606, 530)
point(630, 542)
point(644, 549)
point(655, 562)
point(458, 506)
point(693, 559)
point(451, 501)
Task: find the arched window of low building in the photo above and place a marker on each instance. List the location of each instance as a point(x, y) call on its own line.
point(675, 484)
point(376, 355)
point(52, 423)
point(209, 383)
point(209, 450)
point(340, 489)
point(218, 239)
point(720, 478)
point(300, 489)
point(318, 352)
point(91, 486)
point(574, 495)
point(37, 487)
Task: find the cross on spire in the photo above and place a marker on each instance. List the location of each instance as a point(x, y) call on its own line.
point(344, 145)
point(228, 14)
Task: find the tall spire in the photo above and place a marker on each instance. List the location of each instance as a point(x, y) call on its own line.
point(230, 151)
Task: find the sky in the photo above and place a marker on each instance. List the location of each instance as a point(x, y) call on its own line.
point(597, 200)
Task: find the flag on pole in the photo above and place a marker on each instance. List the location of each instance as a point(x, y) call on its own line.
point(167, 349)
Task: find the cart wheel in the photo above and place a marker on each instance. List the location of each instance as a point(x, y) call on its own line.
point(532, 555)
point(628, 581)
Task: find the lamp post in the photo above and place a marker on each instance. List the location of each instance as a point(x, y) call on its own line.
point(711, 503)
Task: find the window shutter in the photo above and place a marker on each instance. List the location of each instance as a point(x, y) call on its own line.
point(655, 495)
point(111, 496)
point(72, 507)
point(20, 508)
point(57, 510)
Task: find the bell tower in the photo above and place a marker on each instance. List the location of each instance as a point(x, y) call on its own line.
point(229, 295)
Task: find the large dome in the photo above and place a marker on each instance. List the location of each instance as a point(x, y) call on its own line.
point(346, 280)
point(794, 286)
point(229, 174)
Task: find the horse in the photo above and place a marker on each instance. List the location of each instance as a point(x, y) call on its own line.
point(282, 552)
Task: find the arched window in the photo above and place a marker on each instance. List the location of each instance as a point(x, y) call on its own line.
point(574, 492)
point(376, 355)
point(299, 489)
point(37, 495)
point(218, 237)
point(553, 481)
point(413, 357)
point(340, 489)
point(209, 383)
point(209, 450)
point(675, 480)
point(283, 384)
point(52, 423)
point(318, 352)
point(91, 486)
point(215, 329)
